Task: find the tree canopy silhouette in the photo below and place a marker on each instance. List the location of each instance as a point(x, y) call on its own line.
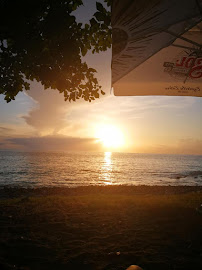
point(41, 39)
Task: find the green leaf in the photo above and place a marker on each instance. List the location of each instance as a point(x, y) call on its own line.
point(93, 22)
point(99, 16)
point(48, 47)
point(99, 7)
point(92, 70)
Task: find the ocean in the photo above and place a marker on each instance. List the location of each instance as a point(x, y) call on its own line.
point(23, 169)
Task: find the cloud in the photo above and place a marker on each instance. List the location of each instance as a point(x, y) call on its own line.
point(4, 131)
point(132, 107)
point(122, 111)
point(50, 111)
point(188, 146)
point(51, 143)
point(6, 144)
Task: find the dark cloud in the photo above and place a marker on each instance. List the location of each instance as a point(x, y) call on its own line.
point(50, 143)
point(5, 144)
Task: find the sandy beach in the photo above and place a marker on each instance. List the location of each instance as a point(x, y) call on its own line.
point(106, 228)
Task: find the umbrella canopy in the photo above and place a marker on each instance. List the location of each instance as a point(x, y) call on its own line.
point(150, 39)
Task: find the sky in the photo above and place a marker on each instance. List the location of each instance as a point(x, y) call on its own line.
point(40, 120)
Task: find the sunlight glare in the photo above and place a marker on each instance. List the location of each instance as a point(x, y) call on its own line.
point(110, 136)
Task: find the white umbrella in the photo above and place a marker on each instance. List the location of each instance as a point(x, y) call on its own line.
point(150, 39)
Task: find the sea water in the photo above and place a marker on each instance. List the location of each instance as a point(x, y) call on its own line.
point(81, 168)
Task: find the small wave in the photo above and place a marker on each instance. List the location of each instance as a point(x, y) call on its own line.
point(194, 174)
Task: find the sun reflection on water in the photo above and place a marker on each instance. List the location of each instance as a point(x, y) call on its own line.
point(107, 168)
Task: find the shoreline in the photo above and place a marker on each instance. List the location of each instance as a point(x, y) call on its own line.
point(16, 192)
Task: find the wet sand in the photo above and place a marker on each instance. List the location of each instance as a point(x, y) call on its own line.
point(98, 228)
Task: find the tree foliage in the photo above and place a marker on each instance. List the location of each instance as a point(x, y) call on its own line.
point(41, 40)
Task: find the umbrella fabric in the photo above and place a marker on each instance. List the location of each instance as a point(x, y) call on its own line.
point(150, 38)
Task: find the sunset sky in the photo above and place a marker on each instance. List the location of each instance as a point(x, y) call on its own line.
point(41, 120)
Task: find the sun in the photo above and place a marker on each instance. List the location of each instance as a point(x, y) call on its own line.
point(111, 136)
